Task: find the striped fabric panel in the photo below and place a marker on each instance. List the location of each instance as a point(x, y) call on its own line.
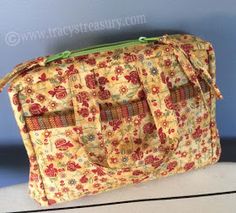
point(56, 120)
point(125, 110)
point(51, 120)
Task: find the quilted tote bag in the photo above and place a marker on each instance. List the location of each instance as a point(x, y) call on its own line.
point(116, 114)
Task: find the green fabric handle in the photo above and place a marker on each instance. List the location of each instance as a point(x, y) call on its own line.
point(101, 47)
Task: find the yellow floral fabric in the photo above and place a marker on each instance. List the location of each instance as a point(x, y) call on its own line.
point(93, 156)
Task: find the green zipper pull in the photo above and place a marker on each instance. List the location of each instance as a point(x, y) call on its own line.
point(61, 55)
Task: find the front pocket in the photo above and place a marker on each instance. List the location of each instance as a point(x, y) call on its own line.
point(62, 162)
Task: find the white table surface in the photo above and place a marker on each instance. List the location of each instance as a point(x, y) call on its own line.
point(220, 177)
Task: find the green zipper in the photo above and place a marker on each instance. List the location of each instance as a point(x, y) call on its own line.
point(101, 47)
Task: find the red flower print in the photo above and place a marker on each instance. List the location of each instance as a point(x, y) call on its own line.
point(91, 61)
point(104, 94)
point(141, 94)
point(137, 140)
point(154, 161)
point(162, 136)
point(149, 159)
point(79, 187)
point(169, 103)
point(51, 171)
point(188, 166)
point(158, 113)
point(83, 97)
point(42, 77)
point(148, 52)
point(197, 133)
point(37, 109)
point(171, 165)
point(148, 128)
point(72, 166)
point(133, 77)
point(167, 62)
point(114, 160)
point(90, 81)
point(102, 64)
point(102, 80)
point(16, 101)
point(63, 145)
point(115, 124)
point(40, 97)
point(123, 90)
point(34, 177)
point(84, 179)
point(128, 57)
point(71, 70)
point(59, 92)
point(78, 130)
point(84, 112)
point(99, 171)
point(81, 58)
point(119, 70)
point(137, 172)
point(163, 77)
point(51, 201)
point(187, 48)
point(137, 155)
point(155, 90)
point(157, 163)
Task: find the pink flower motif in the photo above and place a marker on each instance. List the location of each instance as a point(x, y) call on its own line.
point(197, 133)
point(72, 166)
point(91, 61)
point(167, 62)
point(99, 171)
point(84, 112)
point(171, 165)
point(83, 97)
point(59, 92)
point(119, 70)
point(71, 70)
point(102, 80)
point(169, 103)
point(137, 155)
point(51, 171)
point(115, 124)
point(104, 94)
point(188, 166)
point(37, 109)
point(148, 128)
point(137, 172)
point(187, 48)
point(84, 179)
point(90, 81)
point(141, 94)
point(62, 144)
point(128, 57)
point(133, 77)
point(162, 136)
point(51, 201)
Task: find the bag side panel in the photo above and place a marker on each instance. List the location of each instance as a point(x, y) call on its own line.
point(35, 184)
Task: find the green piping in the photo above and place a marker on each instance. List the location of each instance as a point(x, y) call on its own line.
point(99, 48)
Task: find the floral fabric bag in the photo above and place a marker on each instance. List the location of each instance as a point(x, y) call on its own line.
point(106, 116)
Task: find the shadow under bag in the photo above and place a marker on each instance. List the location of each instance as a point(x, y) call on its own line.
point(116, 114)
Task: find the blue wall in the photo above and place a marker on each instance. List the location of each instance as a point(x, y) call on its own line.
point(212, 20)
